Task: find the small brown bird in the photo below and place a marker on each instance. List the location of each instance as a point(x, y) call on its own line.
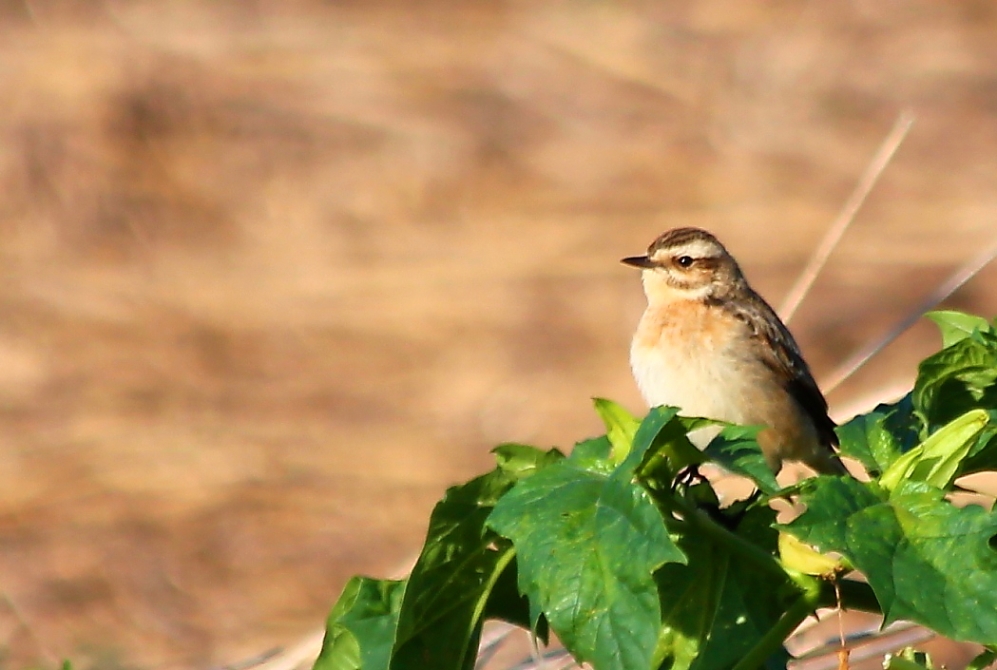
point(708, 344)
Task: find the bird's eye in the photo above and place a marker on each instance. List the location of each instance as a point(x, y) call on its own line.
point(684, 261)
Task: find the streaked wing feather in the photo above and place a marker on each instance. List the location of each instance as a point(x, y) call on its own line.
point(783, 356)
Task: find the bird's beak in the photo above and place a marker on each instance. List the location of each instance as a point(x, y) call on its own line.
point(639, 262)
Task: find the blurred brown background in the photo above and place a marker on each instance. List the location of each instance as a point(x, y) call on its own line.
point(274, 274)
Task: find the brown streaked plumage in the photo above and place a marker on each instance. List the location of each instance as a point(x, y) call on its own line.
point(710, 345)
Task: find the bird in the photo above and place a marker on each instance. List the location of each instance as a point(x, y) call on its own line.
point(708, 344)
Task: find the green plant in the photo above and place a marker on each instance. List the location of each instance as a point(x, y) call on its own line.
point(634, 563)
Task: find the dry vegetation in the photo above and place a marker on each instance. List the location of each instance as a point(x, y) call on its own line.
point(276, 273)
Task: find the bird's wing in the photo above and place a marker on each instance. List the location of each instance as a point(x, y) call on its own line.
point(782, 355)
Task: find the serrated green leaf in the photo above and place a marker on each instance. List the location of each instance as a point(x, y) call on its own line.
point(926, 560)
point(830, 503)
point(736, 449)
point(957, 379)
point(621, 426)
point(662, 445)
point(587, 544)
point(452, 582)
point(956, 326)
point(936, 461)
point(593, 454)
point(880, 437)
point(659, 424)
point(716, 607)
point(361, 627)
point(521, 460)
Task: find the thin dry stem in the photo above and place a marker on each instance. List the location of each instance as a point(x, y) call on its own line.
point(840, 614)
point(27, 626)
point(947, 288)
point(301, 655)
point(847, 214)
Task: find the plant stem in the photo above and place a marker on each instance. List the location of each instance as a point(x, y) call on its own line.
point(814, 592)
point(500, 565)
point(854, 596)
point(735, 543)
point(774, 639)
point(479, 608)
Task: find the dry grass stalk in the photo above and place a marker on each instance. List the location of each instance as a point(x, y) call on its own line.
point(847, 214)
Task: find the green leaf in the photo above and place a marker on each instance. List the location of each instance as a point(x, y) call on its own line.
point(451, 585)
point(361, 627)
point(831, 502)
point(587, 544)
point(662, 447)
point(944, 451)
point(736, 448)
point(926, 560)
point(593, 454)
point(520, 460)
point(983, 455)
point(717, 606)
point(660, 425)
point(879, 438)
point(908, 659)
point(956, 326)
point(936, 460)
point(621, 426)
point(957, 379)
point(983, 661)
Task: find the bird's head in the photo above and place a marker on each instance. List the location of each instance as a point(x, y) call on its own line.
point(689, 264)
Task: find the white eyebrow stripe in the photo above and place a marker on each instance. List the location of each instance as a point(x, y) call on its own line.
point(693, 248)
